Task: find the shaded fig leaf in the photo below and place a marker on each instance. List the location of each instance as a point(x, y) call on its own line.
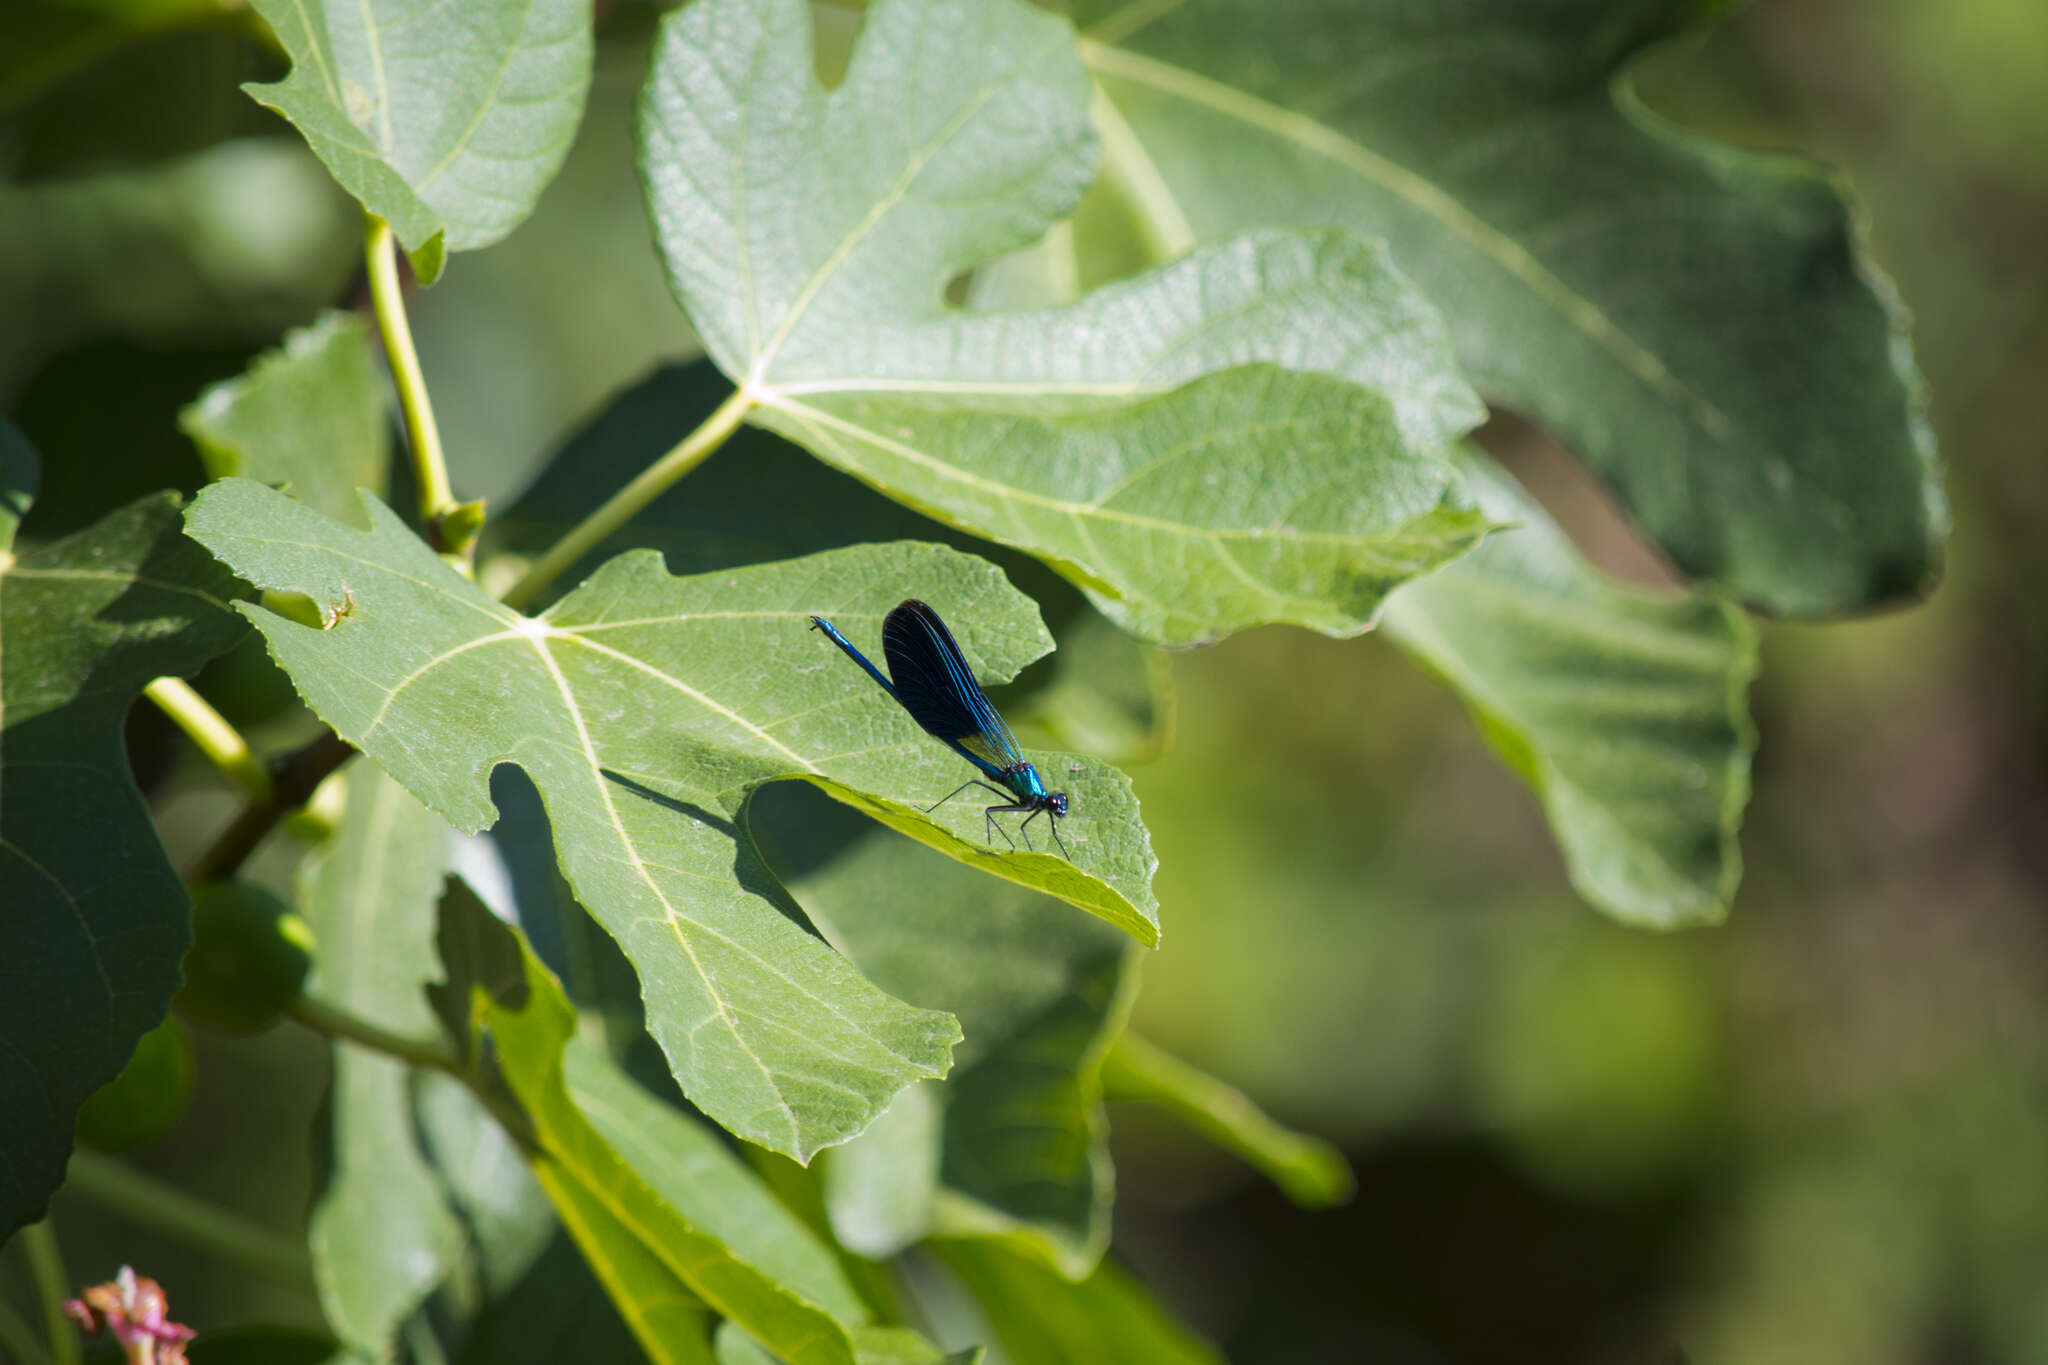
point(1700, 323)
point(94, 917)
point(1623, 709)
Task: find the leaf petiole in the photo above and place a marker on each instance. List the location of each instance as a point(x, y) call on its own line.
point(18, 1338)
point(293, 779)
point(452, 526)
point(53, 1287)
point(162, 1207)
point(625, 504)
point(432, 1053)
point(335, 1022)
point(221, 742)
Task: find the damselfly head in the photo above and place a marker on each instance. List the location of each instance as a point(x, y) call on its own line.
point(1056, 802)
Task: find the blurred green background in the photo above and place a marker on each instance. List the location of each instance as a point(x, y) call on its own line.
point(1817, 1134)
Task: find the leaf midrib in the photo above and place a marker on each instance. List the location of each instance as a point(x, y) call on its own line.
point(385, 140)
point(376, 44)
point(728, 1017)
point(483, 108)
point(1075, 510)
point(1322, 140)
point(574, 633)
point(632, 851)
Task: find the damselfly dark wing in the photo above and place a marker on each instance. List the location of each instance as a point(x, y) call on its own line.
point(936, 686)
point(930, 679)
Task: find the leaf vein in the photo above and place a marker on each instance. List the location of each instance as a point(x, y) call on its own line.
point(483, 112)
point(1578, 310)
point(675, 921)
point(708, 703)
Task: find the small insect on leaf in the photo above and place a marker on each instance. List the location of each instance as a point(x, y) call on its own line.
point(930, 679)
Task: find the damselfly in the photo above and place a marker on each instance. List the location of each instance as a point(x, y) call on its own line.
point(929, 679)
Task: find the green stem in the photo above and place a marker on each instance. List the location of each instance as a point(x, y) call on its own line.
point(53, 1287)
point(162, 1207)
point(292, 781)
point(1308, 1170)
point(334, 1022)
point(423, 437)
point(623, 505)
point(18, 1339)
point(221, 742)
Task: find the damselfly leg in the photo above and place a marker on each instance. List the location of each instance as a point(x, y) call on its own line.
point(930, 679)
point(988, 812)
point(1052, 822)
